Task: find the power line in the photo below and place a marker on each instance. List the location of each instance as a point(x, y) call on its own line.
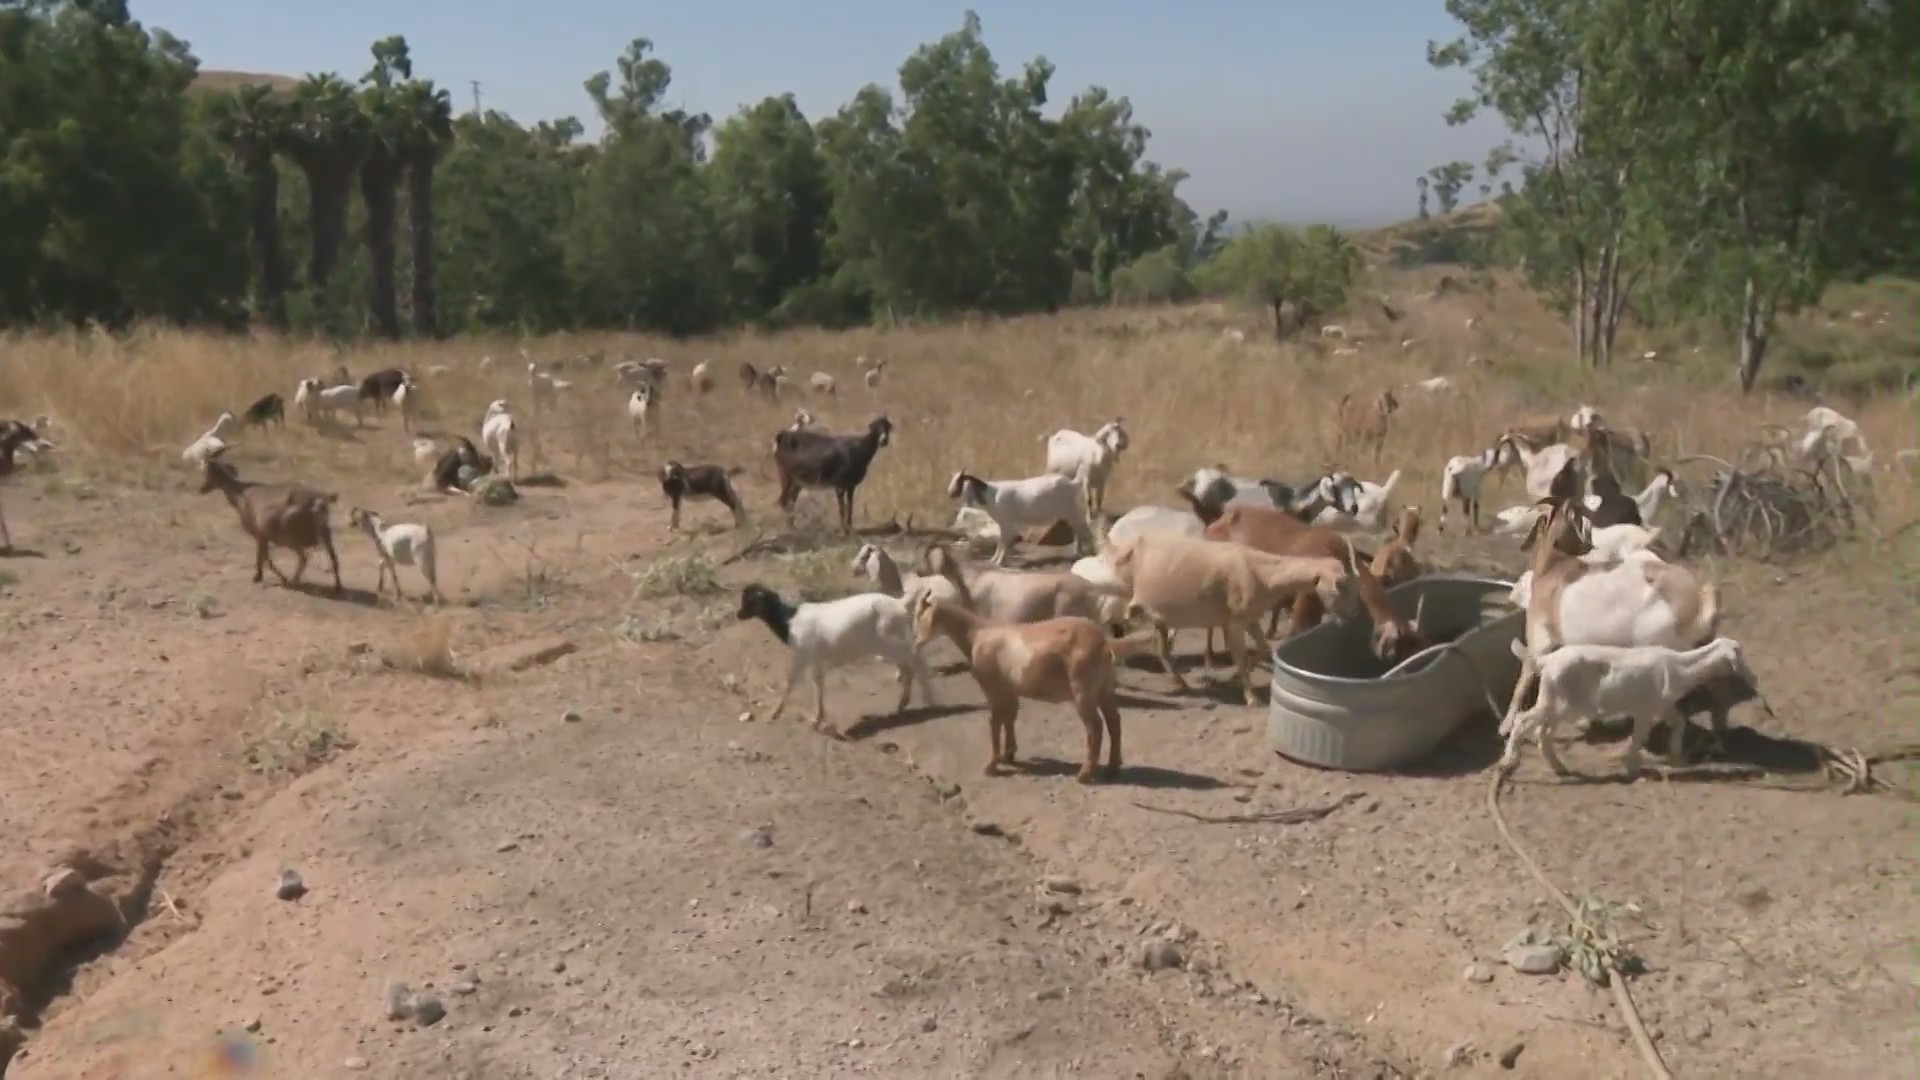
point(475, 83)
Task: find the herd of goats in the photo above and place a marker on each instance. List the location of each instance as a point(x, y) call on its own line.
point(1613, 627)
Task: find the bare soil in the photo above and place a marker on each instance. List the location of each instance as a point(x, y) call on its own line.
point(602, 868)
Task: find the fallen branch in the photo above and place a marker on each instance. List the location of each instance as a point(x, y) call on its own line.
point(1269, 817)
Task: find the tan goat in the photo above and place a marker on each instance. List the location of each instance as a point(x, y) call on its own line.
point(1366, 425)
point(1182, 583)
point(1395, 561)
point(1018, 596)
point(1059, 661)
point(290, 516)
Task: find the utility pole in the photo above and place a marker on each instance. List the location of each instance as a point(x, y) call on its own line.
point(475, 83)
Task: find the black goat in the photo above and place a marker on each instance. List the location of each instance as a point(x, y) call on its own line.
point(271, 408)
point(380, 386)
point(462, 457)
point(678, 482)
point(1616, 507)
point(817, 459)
point(13, 436)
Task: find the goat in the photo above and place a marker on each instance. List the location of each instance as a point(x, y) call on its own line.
point(459, 466)
point(1055, 661)
point(380, 386)
point(1598, 682)
point(678, 482)
point(1460, 482)
point(639, 407)
point(649, 372)
point(1113, 609)
point(1639, 600)
point(271, 408)
point(701, 377)
point(1367, 425)
point(315, 399)
point(210, 444)
point(290, 516)
point(14, 436)
point(1395, 561)
point(1538, 431)
point(836, 632)
point(872, 377)
point(1439, 384)
point(1209, 491)
point(406, 398)
point(767, 382)
point(802, 420)
point(1019, 596)
point(1616, 451)
point(873, 562)
point(1036, 501)
point(1371, 504)
point(1273, 532)
point(749, 377)
point(545, 388)
point(399, 544)
point(502, 438)
point(1540, 464)
point(1089, 459)
point(822, 383)
point(817, 459)
point(1178, 582)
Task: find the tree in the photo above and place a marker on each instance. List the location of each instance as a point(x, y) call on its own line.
point(381, 164)
point(1423, 184)
point(1309, 272)
point(249, 123)
point(1448, 181)
point(426, 130)
point(1777, 133)
point(1157, 277)
point(772, 202)
point(1544, 68)
point(326, 136)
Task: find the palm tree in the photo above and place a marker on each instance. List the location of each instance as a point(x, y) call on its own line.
point(326, 136)
point(428, 127)
point(379, 191)
point(250, 121)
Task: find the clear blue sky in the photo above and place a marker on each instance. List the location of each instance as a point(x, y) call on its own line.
point(1290, 109)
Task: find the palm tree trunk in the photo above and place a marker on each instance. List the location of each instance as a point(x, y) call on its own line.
point(269, 256)
point(426, 323)
point(379, 179)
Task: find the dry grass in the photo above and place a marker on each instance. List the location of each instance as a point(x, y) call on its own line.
point(981, 397)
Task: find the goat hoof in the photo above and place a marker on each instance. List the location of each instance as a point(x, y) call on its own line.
point(1085, 775)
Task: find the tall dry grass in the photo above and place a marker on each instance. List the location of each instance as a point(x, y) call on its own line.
point(980, 397)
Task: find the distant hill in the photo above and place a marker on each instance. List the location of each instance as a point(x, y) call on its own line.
point(217, 81)
point(1439, 238)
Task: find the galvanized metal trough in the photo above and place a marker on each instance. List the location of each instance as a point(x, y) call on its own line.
point(1335, 705)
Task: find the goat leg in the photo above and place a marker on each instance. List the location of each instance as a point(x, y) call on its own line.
point(300, 565)
point(1110, 712)
point(1163, 642)
point(333, 560)
point(793, 679)
point(1242, 656)
point(6, 539)
point(1090, 719)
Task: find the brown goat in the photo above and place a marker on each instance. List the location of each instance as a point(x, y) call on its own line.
point(1366, 425)
point(1278, 533)
point(290, 516)
point(1056, 661)
point(1395, 561)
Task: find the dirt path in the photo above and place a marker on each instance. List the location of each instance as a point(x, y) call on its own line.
point(595, 897)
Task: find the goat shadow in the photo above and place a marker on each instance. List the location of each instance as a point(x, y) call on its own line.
point(347, 594)
point(868, 726)
point(542, 480)
point(1473, 747)
point(21, 553)
point(1143, 776)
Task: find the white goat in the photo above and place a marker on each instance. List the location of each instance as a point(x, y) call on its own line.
point(425, 450)
point(316, 400)
point(1161, 519)
point(1439, 384)
point(872, 377)
point(1089, 459)
point(406, 398)
point(1540, 466)
point(1598, 682)
point(640, 407)
point(1373, 505)
point(835, 633)
point(1660, 493)
point(701, 377)
point(1036, 501)
point(210, 445)
point(822, 383)
point(399, 544)
point(501, 437)
point(1460, 482)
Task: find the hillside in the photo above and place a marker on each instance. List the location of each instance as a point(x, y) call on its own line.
point(233, 80)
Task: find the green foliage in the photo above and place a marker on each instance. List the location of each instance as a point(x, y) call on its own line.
point(342, 204)
point(1298, 275)
point(1154, 278)
point(1447, 182)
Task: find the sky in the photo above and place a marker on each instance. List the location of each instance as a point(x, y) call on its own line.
point(1292, 110)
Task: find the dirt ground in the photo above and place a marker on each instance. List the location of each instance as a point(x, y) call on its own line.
point(609, 864)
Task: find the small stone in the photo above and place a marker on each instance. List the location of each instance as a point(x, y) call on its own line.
point(355, 1064)
point(983, 827)
point(290, 886)
point(855, 1044)
point(559, 966)
point(398, 1000)
point(427, 1010)
point(1478, 973)
point(856, 907)
point(464, 987)
point(1061, 884)
point(929, 1024)
point(1160, 955)
point(1511, 1055)
point(505, 846)
point(1534, 959)
point(359, 648)
point(1458, 1054)
point(571, 716)
point(761, 838)
point(947, 791)
point(251, 1024)
point(746, 718)
point(1051, 993)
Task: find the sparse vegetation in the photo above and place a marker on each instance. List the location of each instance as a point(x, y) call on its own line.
point(295, 742)
point(691, 574)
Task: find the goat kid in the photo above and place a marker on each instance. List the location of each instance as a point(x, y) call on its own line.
point(398, 544)
point(679, 482)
